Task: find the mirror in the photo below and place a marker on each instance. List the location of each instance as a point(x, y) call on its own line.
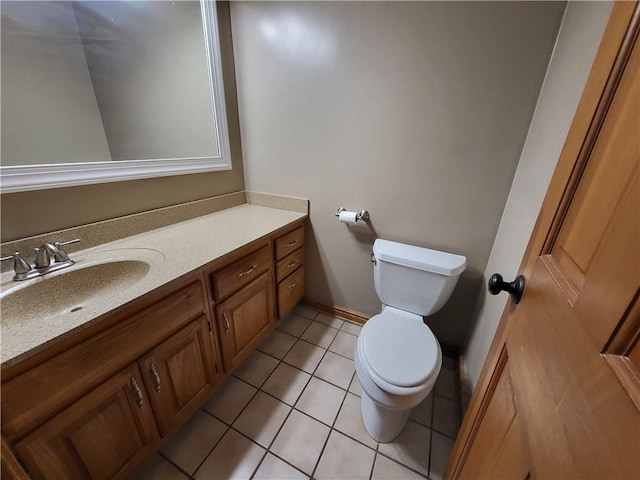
point(99, 91)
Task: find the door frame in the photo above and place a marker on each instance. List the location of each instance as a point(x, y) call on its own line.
point(612, 56)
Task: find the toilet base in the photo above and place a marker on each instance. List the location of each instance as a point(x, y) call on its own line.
point(382, 424)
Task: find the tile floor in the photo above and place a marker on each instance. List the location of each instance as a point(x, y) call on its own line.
point(292, 411)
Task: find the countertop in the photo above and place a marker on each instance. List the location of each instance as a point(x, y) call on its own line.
point(171, 252)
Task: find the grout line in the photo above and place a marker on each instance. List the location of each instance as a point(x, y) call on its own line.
point(402, 464)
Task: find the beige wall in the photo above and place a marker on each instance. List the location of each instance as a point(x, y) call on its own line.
point(30, 213)
point(578, 40)
point(416, 111)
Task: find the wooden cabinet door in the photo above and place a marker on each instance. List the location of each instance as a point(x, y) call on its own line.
point(103, 435)
point(243, 319)
point(179, 374)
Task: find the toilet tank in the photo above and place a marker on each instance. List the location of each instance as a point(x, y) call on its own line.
point(415, 279)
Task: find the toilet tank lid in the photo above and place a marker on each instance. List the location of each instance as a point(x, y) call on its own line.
point(420, 258)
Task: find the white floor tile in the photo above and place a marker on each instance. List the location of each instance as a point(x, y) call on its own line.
point(421, 413)
point(294, 324)
point(336, 369)
point(158, 468)
point(286, 383)
point(319, 334)
point(262, 418)
point(350, 421)
point(351, 328)
point(277, 344)
point(344, 344)
point(344, 458)
point(305, 311)
point(411, 447)
point(195, 439)
point(446, 383)
point(445, 416)
point(305, 356)
point(229, 399)
point(449, 362)
point(256, 369)
point(235, 457)
point(355, 387)
point(386, 469)
point(300, 441)
point(321, 400)
point(441, 448)
point(329, 320)
point(272, 468)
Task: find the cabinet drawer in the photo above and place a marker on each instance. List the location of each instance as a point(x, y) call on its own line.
point(240, 273)
point(290, 292)
point(289, 242)
point(44, 389)
point(289, 264)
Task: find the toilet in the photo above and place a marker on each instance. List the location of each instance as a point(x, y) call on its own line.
point(397, 357)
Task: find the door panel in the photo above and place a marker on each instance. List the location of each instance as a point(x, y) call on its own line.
point(499, 450)
point(570, 347)
point(579, 419)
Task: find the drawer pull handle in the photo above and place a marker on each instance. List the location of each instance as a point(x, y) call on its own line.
point(156, 377)
point(293, 284)
point(137, 391)
point(227, 327)
point(292, 264)
point(253, 267)
point(291, 244)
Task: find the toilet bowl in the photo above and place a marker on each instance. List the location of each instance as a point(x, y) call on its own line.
point(397, 362)
point(397, 356)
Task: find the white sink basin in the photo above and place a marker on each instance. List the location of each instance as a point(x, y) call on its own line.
point(94, 278)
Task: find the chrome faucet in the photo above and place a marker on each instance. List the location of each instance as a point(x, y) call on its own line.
point(49, 258)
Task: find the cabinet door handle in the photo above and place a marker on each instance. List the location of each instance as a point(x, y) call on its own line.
point(253, 267)
point(293, 284)
point(291, 244)
point(156, 377)
point(291, 265)
point(227, 327)
point(137, 391)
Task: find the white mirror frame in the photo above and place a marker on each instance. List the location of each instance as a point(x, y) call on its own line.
point(39, 177)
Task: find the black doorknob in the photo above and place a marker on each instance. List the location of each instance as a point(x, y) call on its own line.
point(515, 288)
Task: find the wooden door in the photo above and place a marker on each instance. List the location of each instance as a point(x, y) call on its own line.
point(560, 393)
point(244, 319)
point(179, 374)
point(103, 435)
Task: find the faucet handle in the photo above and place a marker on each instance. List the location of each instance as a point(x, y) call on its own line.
point(20, 266)
point(61, 255)
point(43, 256)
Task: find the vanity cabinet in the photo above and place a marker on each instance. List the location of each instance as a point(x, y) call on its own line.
point(97, 409)
point(97, 403)
point(289, 255)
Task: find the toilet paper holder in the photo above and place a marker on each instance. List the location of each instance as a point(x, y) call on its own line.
point(361, 215)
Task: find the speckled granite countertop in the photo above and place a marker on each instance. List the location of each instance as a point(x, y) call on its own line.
point(170, 252)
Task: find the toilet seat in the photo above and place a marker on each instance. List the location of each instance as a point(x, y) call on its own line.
point(399, 352)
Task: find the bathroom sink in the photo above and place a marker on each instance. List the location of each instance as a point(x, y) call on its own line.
point(94, 278)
